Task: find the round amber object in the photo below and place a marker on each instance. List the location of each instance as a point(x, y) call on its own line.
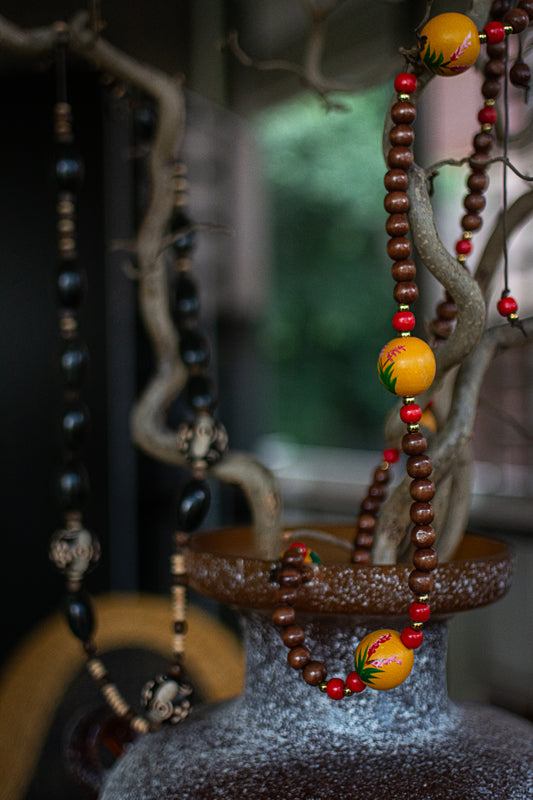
point(406, 366)
point(382, 661)
point(449, 44)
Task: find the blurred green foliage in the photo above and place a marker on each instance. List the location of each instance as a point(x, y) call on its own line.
point(331, 293)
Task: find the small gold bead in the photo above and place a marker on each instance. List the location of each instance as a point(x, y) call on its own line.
point(508, 28)
point(347, 692)
point(461, 258)
point(405, 334)
point(408, 400)
point(422, 598)
point(403, 96)
point(490, 101)
point(402, 307)
point(512, 316)
point(323, 686)
point(413, 427)
point(482, 38)
point(486, 127)
point(467, 234)
point(417, 626)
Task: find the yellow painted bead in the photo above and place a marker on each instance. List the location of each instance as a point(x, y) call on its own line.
point(449, 44)
point(406, 366)
point(382, 661)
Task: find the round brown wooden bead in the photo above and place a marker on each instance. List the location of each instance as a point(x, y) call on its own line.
point(298, 657)
point(366, 522)
point(286, 596)
point(381, 475)
point(517, 18)
point(377, 490)
point(420, 582)
point(402, 135)
point(414, 444)
point(396, 180)
point(471, 222)
point(520, 74)
point(370, 504)
point(293, 636)
point(483, 141)
point(403, 112)
point(365, 540)
point(400, 158)
point(283, 616)
point(422, 513)
point(422, 489)
point(425, 559)
point(361, 556)
point(495, 68)
point(478, 181)
point(474, 202)
point(290, 577)
point(447, 310)
point(498, 8)
point(405, 292)
point(442, 328)
point(419, 466)
point(423, 536)
point(527, 6)
point(481, 161)
point(397, 203)
point(491, 88)
point(397, 225)
point(403, 270)
point(496, 50)
point(314, 673)
point(399, 248)
point(293, 557)
point(307, 573)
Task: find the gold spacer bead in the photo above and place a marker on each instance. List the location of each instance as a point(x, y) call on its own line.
point(422, 598)
point(482, 37)
point(404, 96)
point(486, 127)
point(417, 626)
point(405, 334)
point(408, 400)
point(347, 692)
point(467, 234)
point(508, 29)
point(512, 316)
point(461, 258)
point(323, 686)
point(402, 307)
point(413, 427)
point(490, 101)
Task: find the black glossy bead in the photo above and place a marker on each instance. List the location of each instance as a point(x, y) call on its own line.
point(186, 306)
point(194, 349)
point(74, 361)
point(69, 170)
point(193, 505)
point(71, 284)
point(184, 243)
point(80, 615)
point(73, 487)
point(200, 393)
point(74, 426)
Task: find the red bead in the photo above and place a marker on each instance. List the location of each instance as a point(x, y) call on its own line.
point(487, 115)
point(354, 683)
point(403, 321)
point(410, 413)
point(335, 688)
point(391, 455)
point(300, 546)
point(495, 32)
point(419, 612)
point(463, 247)
point(507, 305)
point(406, 82)
point(412, 639)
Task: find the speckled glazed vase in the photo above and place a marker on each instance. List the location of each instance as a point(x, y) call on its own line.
point(282, 739)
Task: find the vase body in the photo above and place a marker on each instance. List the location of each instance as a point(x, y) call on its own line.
point(284, 739)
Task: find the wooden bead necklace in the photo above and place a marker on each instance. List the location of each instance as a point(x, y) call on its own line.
point(449, 44)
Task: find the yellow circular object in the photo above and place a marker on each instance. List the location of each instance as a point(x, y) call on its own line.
point(382, 661)
point(449, 44)
point(406, 366)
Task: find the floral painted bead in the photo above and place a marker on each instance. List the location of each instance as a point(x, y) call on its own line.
point(406, 366)
point(449, 44)
point(382, 661)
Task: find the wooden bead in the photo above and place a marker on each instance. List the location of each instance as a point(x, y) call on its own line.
point(498, 8)
point(422, 489)
point(290, 577)
point(286, 596)
point(442, 328)
point(400, 158)
point(471, 222)
point(397, 225)
point(478, 182)
point(405, 292)
point(377, 490)
point(495, 68)
point(293, 557)
point(381, 475)
point(517, 18)
point(496, 50)
point(397, 203)
point(366, 523)
point(365, 540)
point(420, 583)
point(419, 466)
point(490, 88)
point(425, 559)
point(520, 74)
point(396, 180)
point(403, 112)
point(481, 160)
point(292, 636)
point(403, 270)
point(314, 673)
point(361, 556)
point(283, 616)
point(370, 504)
point(414, 444)
point(474, 202)
point(298, 657)
point(423, 536)
point(399, 248)
point(421, 513)
point(527, 6)
point(447, 310)
point(402, 135)
point(483, 141)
